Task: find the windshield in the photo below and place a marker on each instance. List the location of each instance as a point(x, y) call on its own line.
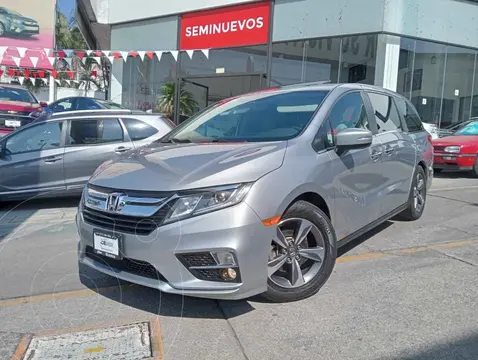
point(16, 94)
point(110, 105)
point(13, 12)
point(469, 129)
point(264, 116)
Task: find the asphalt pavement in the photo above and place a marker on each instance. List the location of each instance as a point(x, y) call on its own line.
point(407, 291)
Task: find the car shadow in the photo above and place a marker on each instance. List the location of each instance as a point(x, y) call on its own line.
point(156, 302)
point(448, 174)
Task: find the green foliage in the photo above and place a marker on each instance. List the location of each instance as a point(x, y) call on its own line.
point(165, 102)
point(68, 36)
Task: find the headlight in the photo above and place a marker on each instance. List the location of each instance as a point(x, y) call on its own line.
point(16, 21)
point(452, 149)
point(206, 200)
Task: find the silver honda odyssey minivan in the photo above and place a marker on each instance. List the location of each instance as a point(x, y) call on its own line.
point(254, 194)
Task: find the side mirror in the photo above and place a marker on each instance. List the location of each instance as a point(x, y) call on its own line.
point(43, 104)
point(353, 138)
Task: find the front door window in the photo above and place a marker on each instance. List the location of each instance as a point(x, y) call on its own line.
point(44, 136)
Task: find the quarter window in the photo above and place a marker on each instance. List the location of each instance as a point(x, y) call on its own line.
point(349, 112)
point(386, 114)
point(138, 130)
point(412, 119)
point(324, 138)
point(93, 132)
point(44, 136)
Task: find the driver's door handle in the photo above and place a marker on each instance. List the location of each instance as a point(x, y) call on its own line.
point(121, 149)
point(53, 159)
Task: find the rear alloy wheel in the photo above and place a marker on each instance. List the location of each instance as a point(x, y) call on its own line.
point(417, 198)
point(2, 29)
point(302, 254)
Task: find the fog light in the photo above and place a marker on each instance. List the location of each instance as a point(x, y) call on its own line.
point(228, 274)
point(225, 258)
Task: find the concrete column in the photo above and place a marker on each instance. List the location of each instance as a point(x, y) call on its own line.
point(116, 81)
point(388, 54)
point(52, 90)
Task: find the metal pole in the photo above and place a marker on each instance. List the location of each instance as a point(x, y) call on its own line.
point(177, 89)
point(269, 46)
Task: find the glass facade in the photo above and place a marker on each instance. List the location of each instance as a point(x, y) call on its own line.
point(440, 80)
point(150, 84)
point(338, 59)
point(147, 83)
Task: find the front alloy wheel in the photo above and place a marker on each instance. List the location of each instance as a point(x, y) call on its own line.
point(302, 254)
point(297, 254)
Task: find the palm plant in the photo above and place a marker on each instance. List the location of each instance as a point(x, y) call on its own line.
point(165, 101)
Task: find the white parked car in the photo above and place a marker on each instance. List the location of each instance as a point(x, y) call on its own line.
point(432, 129)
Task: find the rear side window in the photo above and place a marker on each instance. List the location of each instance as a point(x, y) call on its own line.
point(412, 119)
point(385, 111)
point(93, 132)
point(139, 130)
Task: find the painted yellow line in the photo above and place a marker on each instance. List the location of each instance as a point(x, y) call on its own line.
point(62, 295)
point(365, 256)
point(408, 251)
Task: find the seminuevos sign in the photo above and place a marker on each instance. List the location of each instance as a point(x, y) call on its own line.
point(239, 25)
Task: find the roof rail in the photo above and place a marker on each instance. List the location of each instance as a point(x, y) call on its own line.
point(64, 113)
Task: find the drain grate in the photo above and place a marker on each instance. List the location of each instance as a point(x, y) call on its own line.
point(138, 341)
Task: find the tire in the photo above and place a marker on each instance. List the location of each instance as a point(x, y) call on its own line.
point(474, 171)
point(320, 239)
point(417, 191)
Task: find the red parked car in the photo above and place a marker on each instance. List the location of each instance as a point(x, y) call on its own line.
point(458, 151)
point(18, 107)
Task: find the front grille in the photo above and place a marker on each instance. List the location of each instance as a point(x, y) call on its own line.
point(197, 259)
point(18, 113)
point(132, 266)
point(124, 223)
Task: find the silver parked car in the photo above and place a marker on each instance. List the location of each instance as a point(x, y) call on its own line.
point(255, 194)
point(57, 154)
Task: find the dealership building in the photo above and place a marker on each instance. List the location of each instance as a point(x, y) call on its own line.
point(424, 49)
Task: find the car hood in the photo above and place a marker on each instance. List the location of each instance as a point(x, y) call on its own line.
point(455, 140)
point(22, 18)
point(18, 106)
point(188, 166)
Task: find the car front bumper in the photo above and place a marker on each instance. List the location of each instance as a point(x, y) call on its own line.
point(23, 29)
point(456, 162)
point(236, 229)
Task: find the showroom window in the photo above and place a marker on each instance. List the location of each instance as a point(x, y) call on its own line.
point(223, 73)
point(358, 59)
point(149, 84)
point(338, 59)
point(440, 81)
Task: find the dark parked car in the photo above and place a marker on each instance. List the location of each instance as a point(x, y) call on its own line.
point(18, 107)
point(57, 154)
point(81, 103)
point(14, 23)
